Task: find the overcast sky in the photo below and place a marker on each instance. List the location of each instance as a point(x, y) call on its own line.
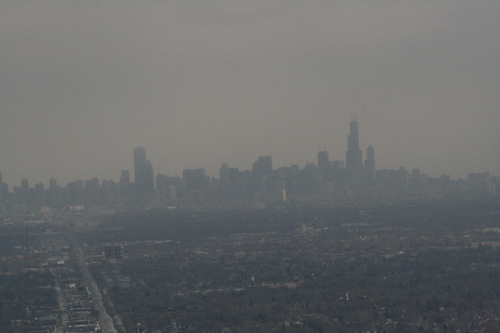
point(200, 83)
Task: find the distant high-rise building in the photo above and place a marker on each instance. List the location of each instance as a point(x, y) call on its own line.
point(263, 165)
point(91, 191)
point(323, 160)
point(139, 162)
point(172, 192)
point(339, 164)
point(370, 166)
point(143, 172)
point(195, 179)
point(224, 174)
point(166, 187)
point(39, 195)
point(233, 174)
point(75, 192)
point(24, 191)
point(52, 183)
point(125, 183)
point(415, 182)
point(354, 156)
point(370, 159)
point(125, 177)
point(403, 178)
point(55, 196)
point(161, 185)
point(3, 193)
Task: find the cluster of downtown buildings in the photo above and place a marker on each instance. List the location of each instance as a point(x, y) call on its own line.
point(337, 179)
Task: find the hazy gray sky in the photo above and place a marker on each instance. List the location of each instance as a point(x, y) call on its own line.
point(199, 83)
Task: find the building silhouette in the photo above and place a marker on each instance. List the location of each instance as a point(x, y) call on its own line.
point(143, 173)
point(139, 162)
point(125, 177)
point(353, 155)
point(262, 166)
point(323, 160)
point(370, 159)
point(195, 179)
point(370, 166)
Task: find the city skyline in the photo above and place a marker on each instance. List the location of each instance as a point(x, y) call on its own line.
point(144, 173)
point(334, 180)
point(197, 85)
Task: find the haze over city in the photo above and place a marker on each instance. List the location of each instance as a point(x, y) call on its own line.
point(199, 84)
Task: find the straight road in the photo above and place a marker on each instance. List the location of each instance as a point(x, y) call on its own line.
point(105, 321)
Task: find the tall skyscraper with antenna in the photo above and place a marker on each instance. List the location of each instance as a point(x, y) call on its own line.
point(353, 155)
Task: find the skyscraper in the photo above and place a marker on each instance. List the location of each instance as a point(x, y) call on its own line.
point(224, 175)
point(353, 155)
point(370, 159)
point(143, 172)
point(125, 183)
point(3, 193)
point(139, 161)
point(262, 166)
point(370, 165)
point(323, 160)
point(195, 179)
point(125, 177)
